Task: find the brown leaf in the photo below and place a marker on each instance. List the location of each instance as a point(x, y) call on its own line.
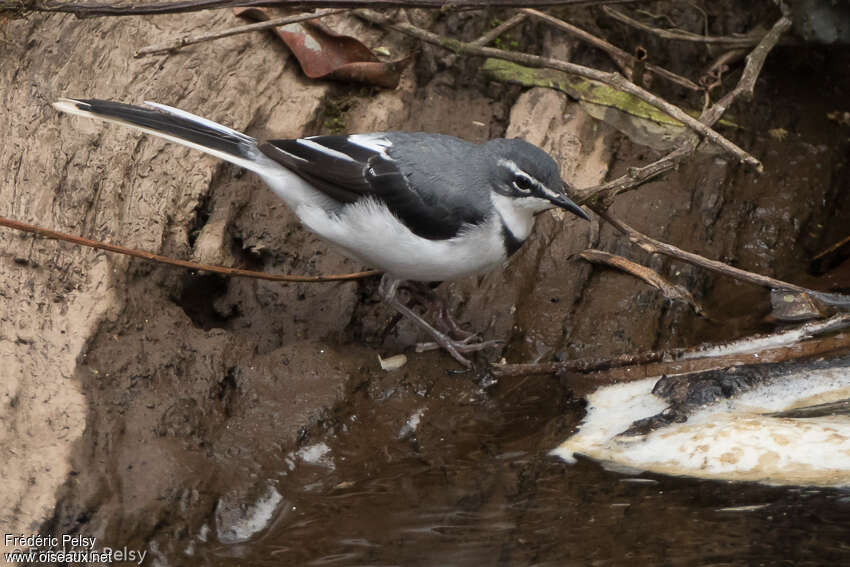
point(323, 54)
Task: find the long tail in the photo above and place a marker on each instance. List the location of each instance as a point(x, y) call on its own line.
point(174, 125)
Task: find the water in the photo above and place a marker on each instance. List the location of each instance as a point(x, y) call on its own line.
point(474, 485)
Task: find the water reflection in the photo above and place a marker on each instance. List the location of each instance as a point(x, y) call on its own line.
point(542, 511)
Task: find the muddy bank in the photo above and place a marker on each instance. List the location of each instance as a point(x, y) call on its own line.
point(166, 410)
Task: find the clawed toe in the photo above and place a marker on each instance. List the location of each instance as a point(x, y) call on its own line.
point(457, 347)
point(452, 338)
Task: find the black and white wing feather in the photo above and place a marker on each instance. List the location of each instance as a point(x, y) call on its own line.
point(350, 168)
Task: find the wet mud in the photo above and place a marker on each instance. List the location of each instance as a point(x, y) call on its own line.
point(227, 421)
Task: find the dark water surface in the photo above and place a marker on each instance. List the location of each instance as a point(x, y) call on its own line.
point(474, 486)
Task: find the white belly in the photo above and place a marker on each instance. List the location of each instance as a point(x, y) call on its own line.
point(369, 233)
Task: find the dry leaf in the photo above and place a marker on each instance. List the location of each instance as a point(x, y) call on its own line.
point(323, 54)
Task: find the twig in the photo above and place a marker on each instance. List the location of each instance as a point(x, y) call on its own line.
point(491, 35)
point(670, 290)
point(615, 80)
point(54, 235)
point(831, 249)
point(601, 196)
point(89, 9)
point(582, 365)
point(722, 63)
point(682, 35)
point(599, 199)
point(613, 50)
point(183, 41)
point(755, 61)
point(717, 355)
point(653, 246)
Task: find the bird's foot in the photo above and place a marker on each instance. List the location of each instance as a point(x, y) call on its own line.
point(442, 338)
point(448, 325)
point(444, 321)
point(456, 347)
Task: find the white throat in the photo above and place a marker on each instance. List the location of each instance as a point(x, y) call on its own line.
point(518, 219)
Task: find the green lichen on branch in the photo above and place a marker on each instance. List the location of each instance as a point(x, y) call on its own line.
point(579, 88)
point(453, 45)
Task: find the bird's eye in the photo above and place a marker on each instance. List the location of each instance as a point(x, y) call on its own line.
point(522, 183)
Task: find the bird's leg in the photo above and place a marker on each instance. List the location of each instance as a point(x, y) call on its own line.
point(388, 289)
point(443, 317)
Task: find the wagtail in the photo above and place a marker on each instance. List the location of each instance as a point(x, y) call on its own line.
point(418, 206)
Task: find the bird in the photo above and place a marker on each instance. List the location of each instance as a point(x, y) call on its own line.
point(421, 207)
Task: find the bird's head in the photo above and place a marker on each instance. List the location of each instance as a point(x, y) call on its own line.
point(528, 176)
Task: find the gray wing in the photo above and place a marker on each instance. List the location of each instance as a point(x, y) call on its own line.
point(349, 168)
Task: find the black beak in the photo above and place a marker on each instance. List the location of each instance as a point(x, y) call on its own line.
point(567, 204)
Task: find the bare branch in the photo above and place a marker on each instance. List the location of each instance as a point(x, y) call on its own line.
point(177, 43)
point(54, 235)
point(670, 290)
point(601, 196)
point(491, 35)
point(657, 247)
point(89, 9)
point(615, 80)
point(755, 62)
point(508, 24)
point(783, 345)
point(831, 249)
point(681, 35)
point(613, 50)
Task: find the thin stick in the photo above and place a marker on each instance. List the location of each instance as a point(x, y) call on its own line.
point(183, 41)
point(89, 9)
point(613, 50)
point(54, 235)
point(681, 35)
point(745, 87)
point(671, 291)
point(599, 199)
point(602, 196)
point(722, 352)
point(832, 248)
point(640, 369)
point(755, 61)
point(615, 80)
point(491, 35)
point(656, 246)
